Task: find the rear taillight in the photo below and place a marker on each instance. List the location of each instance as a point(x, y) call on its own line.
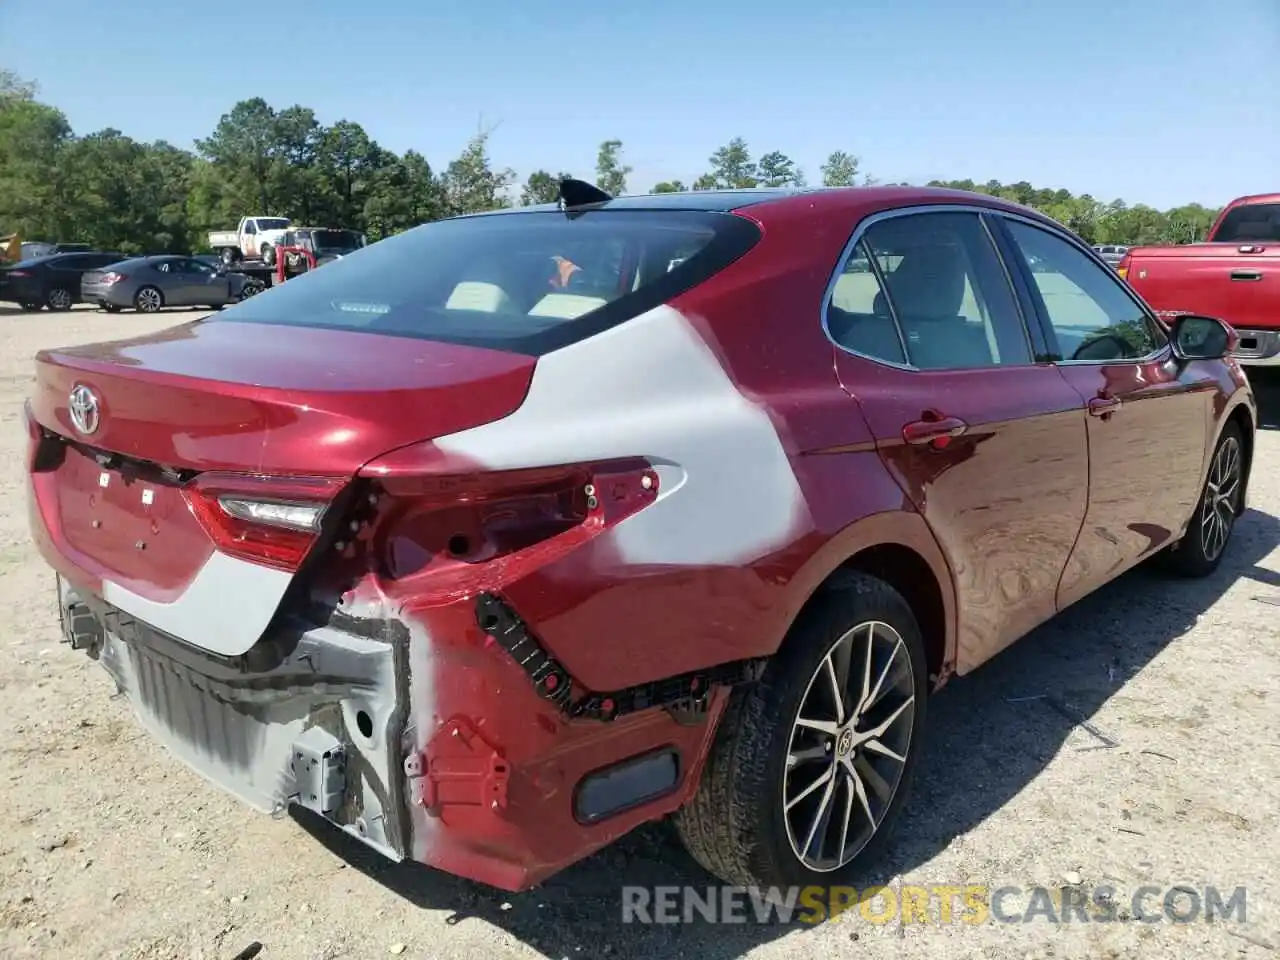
point(17, 273)
point(272, 521)
point(1122, 267)
point(449, 527)
point(110, 278)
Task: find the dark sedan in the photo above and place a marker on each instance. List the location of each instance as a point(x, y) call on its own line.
point(148, 284)
point(51, 281)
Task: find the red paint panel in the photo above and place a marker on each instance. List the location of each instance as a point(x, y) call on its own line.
point(152, 547)
point(266, 399)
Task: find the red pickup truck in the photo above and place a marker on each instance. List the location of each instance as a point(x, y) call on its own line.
point(1234, 276)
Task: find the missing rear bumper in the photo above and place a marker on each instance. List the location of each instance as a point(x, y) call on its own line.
point(319, 729)
point(686, 695)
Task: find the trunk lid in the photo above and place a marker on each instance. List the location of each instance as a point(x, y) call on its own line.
point(214, 415)
point(220, 395)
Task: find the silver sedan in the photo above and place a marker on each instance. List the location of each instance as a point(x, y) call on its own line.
point(148, 284)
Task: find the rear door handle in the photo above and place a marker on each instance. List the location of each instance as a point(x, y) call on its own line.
point(936, 432)
point(1246, 274)
point(1103, 406)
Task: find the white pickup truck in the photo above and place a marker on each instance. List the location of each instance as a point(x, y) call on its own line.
point(254, 237)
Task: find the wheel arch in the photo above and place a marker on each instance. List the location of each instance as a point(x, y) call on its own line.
point(899, 548)
point(1242, 417)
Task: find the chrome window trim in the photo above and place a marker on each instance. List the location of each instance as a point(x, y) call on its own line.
point(873, 265)
point(1017, 300)
point(860, 230)
point(1071, 240)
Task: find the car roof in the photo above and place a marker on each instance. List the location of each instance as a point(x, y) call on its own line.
point(765, 203)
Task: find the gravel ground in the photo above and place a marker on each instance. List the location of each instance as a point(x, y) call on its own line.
point(113, 849)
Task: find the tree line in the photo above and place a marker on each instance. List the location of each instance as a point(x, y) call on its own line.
point(117, 193)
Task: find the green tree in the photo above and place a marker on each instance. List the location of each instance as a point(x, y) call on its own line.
point(299, 141)
point(403, 194)
point(350, 161)
point(669, 186)
point(611, 173)
point(732, 166)
point(840, 170)
point(13, 87)
point(776, 169)
point(243, 148)
point(542, 187)
point(37, 195)
point(471, 183)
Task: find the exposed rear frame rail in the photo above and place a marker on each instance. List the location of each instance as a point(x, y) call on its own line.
point(687, 693)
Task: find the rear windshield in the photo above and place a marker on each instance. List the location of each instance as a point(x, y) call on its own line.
point(265, 223)
point(528, 282)
point(335, 239)
point(1249, 223)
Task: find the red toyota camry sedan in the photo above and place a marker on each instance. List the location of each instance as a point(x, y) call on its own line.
point(503, 536)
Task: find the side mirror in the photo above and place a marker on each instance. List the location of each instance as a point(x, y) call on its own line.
point(1201, 338)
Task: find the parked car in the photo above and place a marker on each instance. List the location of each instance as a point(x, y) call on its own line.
point(1232, 275)
point(51, 281)
point(1112, 253)
point(544, 523)
point(148, 284)
point(39, 248)
point(253, 237)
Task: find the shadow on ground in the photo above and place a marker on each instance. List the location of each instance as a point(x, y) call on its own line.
point(1266, 387)
point(982, 751)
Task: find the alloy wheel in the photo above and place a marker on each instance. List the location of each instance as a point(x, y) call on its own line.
point(149, 300)
point(1221, 496)
point(848, 746)
point(59, 299)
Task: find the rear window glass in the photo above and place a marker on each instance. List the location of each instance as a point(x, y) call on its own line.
point(528, 282)
point(336, 239)
point(1249, 223)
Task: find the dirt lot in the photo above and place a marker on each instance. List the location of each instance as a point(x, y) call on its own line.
point(112, 849)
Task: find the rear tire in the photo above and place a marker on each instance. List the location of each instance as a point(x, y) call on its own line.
point(109, 307)
point(1202, 547)
point(59, 299)
point(148, 300)
point(31, 306)
point(268, 254)
point(843, 784)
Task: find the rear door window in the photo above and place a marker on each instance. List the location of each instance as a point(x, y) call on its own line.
point(928, 290)
point(529, 282)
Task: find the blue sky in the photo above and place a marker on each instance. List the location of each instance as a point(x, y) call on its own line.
point(1155, 101)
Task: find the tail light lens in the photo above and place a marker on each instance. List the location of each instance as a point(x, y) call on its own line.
point(270, 521)
point(1122, 267)
point(109, 278)
point(452, 526)
point(17, 273)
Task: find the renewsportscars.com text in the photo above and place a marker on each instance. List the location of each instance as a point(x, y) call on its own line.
point(970, 904)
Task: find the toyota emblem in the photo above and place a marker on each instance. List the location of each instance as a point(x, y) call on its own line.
point(85, 412)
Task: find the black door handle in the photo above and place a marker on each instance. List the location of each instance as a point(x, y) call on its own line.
point(1246, 274)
